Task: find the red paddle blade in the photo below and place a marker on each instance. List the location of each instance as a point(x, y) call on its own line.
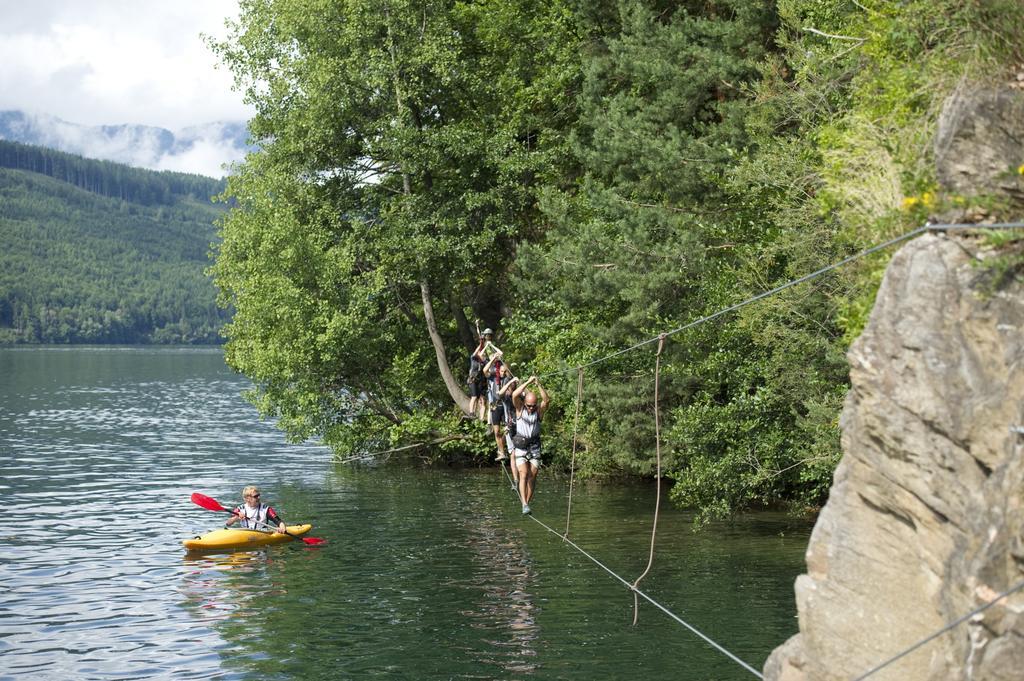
point(313, 541)
point(208, 503)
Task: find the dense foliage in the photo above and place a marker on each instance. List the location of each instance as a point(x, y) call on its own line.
point(81, 266)
point(584, 176)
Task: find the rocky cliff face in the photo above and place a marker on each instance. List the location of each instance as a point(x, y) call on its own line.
point(925, 520)
point(979, 145)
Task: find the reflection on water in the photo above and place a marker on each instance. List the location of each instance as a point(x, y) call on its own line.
point(504, 610)
point(427, 574)
point(100, 449)
point(214, 588)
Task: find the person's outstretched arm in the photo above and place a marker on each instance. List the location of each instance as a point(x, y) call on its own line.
point(490, 364)
point(511, 382)
point(543, 399)
point(517, 396)
point(273, 518)
point(479, 352)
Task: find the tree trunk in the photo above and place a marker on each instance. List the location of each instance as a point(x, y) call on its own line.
point(454, 387)
point(466, 333)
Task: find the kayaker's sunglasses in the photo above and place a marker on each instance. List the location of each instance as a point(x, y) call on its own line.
point(254, 496)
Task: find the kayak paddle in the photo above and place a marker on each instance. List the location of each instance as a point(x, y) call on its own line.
point(211, 504)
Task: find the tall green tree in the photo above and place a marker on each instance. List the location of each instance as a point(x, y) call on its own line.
point(657, 232)
point(402, 144)
point(585, 176)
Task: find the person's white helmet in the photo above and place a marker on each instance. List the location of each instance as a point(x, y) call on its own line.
point(487, 332)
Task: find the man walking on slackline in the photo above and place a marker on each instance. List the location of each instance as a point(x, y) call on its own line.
point(476, 381)
point(497, 380)
point(527, 438)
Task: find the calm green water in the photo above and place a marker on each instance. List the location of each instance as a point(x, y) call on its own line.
point(427, 574)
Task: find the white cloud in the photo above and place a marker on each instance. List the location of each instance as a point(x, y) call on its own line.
point(205, 149)
point(117, 61)
point(206, 157)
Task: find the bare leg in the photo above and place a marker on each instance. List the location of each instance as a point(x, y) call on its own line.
point(511, 449)
point(524, 476)
point(530, 482)
point(500, 439)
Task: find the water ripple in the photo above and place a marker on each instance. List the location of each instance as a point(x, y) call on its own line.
point(427, 574)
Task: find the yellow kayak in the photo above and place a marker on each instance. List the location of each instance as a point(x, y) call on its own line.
point(219, 540)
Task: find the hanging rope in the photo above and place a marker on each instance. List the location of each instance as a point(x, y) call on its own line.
point(657, 477)
point(572, 464)
point(707, 639)
point(632, 587)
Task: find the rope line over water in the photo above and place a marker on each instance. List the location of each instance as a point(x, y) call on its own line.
point(641, 594)
point(637, 593)
point(572, 464)
point(927, 227)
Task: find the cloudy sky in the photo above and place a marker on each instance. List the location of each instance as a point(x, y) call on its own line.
point(111, 62)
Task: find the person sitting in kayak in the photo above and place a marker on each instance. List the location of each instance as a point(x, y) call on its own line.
point(255, 515)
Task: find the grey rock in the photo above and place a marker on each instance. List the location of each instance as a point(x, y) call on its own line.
point(925, 518)
point(980, 142)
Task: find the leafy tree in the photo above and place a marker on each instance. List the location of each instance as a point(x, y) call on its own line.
point(585, 176)
point(402, 144)
point(658, 233)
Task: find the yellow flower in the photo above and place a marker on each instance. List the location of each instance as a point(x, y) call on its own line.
point(910, 201)
point(1020, 170)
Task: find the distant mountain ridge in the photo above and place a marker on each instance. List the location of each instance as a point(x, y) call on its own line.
point(107, 178)
point(200, 149)
point(93, 251)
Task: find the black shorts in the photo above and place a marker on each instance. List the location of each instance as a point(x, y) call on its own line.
point(497, 414)
point(478, 388)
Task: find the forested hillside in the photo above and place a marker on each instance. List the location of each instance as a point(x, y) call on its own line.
point(583, 177)
point(98, 252)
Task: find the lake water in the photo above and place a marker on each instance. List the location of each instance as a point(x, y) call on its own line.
point(427, 574)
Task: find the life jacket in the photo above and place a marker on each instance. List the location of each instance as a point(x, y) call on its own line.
point(527, 428)
point(252, 517)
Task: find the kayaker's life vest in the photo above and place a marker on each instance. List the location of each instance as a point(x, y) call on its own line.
point(252, 517)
